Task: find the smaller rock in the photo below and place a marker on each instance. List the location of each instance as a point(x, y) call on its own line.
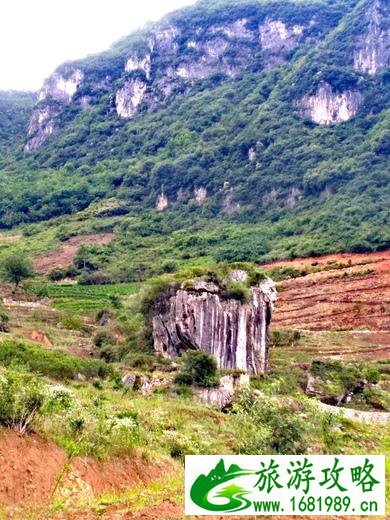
point(222, 397)
point(129, 380)
point(80, 377)
point(146, 385)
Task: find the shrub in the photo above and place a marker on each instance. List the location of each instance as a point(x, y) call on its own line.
point(4, 322)
point(198, 368)
point(152, 292)
point(71, 322)
point(53, 363)
point(95, 279)
point(57, 274)
point(169, 266)
point(115, 301)
point(338, 379)
point(184, 379)
point(284, 338)
point(103, 316)
point(103, 337)
point(142, 361)
point(269, 428)
point(238, 291)
point(16, 268)
point(21, 398)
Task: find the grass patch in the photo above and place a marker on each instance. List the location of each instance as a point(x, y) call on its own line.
point(52, 363)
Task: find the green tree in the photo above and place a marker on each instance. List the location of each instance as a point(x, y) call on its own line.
point(16, 268)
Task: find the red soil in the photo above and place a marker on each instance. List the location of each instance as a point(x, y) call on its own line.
point(30, 468)
point(349, 291)
point(63, 256)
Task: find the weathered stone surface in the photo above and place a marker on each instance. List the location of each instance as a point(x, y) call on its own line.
point(222, 396)
point(357, 415)
point(276, 35)
point(129, 97)
point(58, 89)
point(373, 48)
point(202, 318)
point(41, 126)
point(129, 381)
point(162, 202)
point(159, 69)
point(61, 87)
point(328, 107)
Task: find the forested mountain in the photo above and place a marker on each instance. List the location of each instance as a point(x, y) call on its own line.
point(252, 129)
point(15, 111)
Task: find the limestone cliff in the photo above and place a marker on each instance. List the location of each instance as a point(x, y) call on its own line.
point(372, 51)
point(172, 61)
point(167, 61)
point(203, 317)
point(56, 91)
point(326, 106)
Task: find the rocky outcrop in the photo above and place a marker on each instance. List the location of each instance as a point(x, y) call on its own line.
point(61, 87)
point(276, 35)
point(41, 126)
point(328, 107)
point(373, 49)
point(200, 194)
point(162, 202)
point(204, 318)
point(357, 415)
point(227, 49)
point(147, 69)
point(222, 396)
point(135, 63)
point(129, 97)
point(57, 90)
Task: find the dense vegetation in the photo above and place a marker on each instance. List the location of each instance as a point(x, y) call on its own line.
point(309, 190)
point(15, 110)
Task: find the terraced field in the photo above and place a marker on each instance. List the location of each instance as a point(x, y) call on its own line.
point(335, 292)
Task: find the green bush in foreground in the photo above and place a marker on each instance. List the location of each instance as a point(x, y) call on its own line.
point(21, 398)
point(199, 368)
point(52, 363)
point(267, 427)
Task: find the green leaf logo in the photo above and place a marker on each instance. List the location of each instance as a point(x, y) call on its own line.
point(235, 495)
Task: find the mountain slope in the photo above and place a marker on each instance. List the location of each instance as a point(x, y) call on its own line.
point(260, 130)
point(15, 111)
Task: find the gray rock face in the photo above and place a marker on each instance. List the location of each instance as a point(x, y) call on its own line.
point(373, 49)
point(129, 97)
point(222, 396)
point(228, 49)
point(163, 69)
point(327, 107)
point(202, 318)
point(41, 126)
point(276, 35)
point(57, 90)
point(60, 87)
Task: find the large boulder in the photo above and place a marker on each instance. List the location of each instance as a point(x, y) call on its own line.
point(222, 396)
point(203, 317)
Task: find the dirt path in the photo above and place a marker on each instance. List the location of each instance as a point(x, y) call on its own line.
point(64, 255)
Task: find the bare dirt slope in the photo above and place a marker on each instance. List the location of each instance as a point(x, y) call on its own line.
point(63, 256)
point(36, 472)
point(335, 292)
